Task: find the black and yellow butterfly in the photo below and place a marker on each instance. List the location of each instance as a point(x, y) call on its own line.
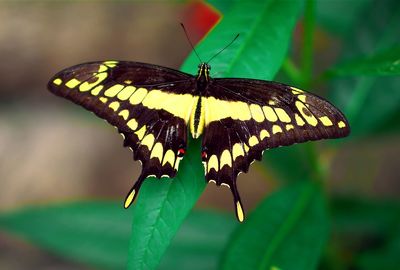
point(155, 108)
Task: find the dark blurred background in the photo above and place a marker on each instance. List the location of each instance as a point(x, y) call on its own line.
point(52, 150)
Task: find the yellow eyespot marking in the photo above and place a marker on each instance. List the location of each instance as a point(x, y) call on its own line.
point(111, 63)
point(97, 90)
point(225, 159)
point(310, 118)
point(113, 90)
point(129, 199)
point(114, 105)
point(246, 148)
point(140, 133)
point(282, 115)
point(299, 120)
point(57, 81)
point(103, 99)
point(126, 93)
point(341, 124)
point(128, 81)
point(256, 112)
point(276, 129)
point(270, 114)
point(178, 160)
point(212, 163)
point(169, 157)
point(326, 121)
point(289, 127)
point(253, 141)
point(139, 95)
point(148, 141)
point(124, 114)
point(264, 134)
point(302, 98)
point(86, 86)
point(133, 124)
point(271, 102)
point(239, 211)
point(157, 152)
point(296, 90)
point(237, 150)
point(72, 83)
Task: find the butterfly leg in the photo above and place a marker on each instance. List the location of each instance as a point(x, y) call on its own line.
point(130, 198)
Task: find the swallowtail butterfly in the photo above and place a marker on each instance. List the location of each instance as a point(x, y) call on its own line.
point(156, 108)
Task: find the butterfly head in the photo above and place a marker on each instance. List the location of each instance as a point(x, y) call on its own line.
point(203, 72)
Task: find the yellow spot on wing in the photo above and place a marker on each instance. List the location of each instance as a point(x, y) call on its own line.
point(271, 102)
point(126, 93)
point(237, 151)
point(289, 127)
point(264, 134)
point(276, 129)
point(114, 105)
point(97, 90)
point(128, 81)
point(132, 124)
point(148, 141)
point(138, 96)
point(169, 157)
point(257, 113)
point(102, 68)
point(305, 112)
point(212, 163)
point(270, 114)
point(246, 148)
point(225, 159)
point(239, 211)
point(140, 133)
point(103, 99)
point(253, 141)
point(124, 114)
point(302, 98)
point(57, 81)
point(299, 120)
point(86, 86)
point(282, 115)
point(111, 63)
point(217, 109)
point(341, 124)
point(157, 151)
point(72, 83)
point(130, 198)
point(113, 90)
point(326, 121)
point(294, 89)
point(178, 160)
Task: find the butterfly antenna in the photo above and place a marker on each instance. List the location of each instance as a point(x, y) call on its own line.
point(191, 44)
point(230, 43)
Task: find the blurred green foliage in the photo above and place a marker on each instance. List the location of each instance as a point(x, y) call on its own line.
point(297, 227)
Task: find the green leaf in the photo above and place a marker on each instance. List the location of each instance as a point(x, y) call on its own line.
point(97, 234)
point(386, 62)
point(163, 205)
point(161, 208)
point(200, 241)
point(92, 233)
point(265, 29)
point(371, 104)
point(286, 231)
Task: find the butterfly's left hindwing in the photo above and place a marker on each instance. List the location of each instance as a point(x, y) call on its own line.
point(139, 100)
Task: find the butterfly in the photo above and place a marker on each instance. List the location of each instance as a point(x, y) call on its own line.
point(156, 108)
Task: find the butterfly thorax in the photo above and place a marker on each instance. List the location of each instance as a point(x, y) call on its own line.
point(203, 77)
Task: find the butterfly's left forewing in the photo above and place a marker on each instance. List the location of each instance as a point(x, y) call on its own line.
point(250, 116)
point(149, 105)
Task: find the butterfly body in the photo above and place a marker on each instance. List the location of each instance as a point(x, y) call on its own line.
point(155, 108)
